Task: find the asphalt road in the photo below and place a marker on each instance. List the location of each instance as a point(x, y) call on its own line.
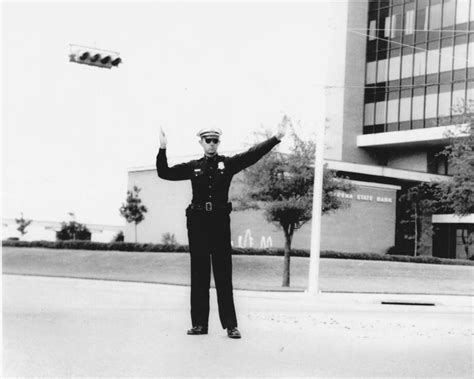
point(71, 327)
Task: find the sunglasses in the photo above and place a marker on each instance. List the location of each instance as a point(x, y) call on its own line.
point(209, 140)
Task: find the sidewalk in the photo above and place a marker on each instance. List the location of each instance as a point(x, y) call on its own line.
point(72, 327)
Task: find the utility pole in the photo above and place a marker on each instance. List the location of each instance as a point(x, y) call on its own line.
point(313, 279)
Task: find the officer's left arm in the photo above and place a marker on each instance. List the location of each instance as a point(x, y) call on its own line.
point(243, 160)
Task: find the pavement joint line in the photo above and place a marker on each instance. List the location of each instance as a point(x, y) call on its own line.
point(407, 303)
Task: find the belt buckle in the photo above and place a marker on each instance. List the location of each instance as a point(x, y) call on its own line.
point(208, 207)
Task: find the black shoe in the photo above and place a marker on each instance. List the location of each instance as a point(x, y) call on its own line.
point(233, 333)
point(197, 330)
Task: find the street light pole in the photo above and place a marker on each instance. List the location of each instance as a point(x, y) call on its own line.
point(313, 279)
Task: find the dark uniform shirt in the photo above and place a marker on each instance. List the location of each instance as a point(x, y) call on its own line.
point(211, 176)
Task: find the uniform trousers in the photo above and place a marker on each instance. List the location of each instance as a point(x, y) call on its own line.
point(209, 241)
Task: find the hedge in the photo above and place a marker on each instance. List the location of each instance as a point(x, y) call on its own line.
point(89, 245)
point(155, 248)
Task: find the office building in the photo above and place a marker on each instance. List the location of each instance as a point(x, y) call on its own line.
point(406, 72)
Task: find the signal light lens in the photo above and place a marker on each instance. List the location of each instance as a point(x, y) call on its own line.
point(116, 61)
point(84, 56)
point(95, 58)
point(105, 60)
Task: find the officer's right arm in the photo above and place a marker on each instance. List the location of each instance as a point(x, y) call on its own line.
point(181, 171)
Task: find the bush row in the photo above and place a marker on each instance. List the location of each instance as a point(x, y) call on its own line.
point(89, 245)
point(152, 248)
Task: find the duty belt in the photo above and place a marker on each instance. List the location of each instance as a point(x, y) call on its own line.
point(209, 206)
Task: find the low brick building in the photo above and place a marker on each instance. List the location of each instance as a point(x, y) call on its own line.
point(367, 224)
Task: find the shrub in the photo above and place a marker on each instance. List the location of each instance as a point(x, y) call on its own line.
point(73, 231)
point(163, 248)
point(119, 237)
point(168, 239)
point(397, 250)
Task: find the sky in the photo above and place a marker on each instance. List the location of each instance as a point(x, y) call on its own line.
point(70, 132)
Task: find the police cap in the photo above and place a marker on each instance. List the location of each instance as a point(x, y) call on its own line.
point(209, 132)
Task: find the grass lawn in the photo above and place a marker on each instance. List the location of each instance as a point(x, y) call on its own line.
point(249, 272)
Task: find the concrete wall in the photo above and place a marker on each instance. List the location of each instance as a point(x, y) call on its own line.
point(368, 225)
point(346, 78)
point(42, 233)
point(334, 118)
point(34, 233)
point(166, 202)
point(354, 81)
point(413, 160)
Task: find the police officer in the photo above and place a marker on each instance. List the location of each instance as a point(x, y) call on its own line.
point(208, 221)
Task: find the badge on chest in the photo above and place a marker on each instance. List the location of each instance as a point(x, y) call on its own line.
point(221, 167)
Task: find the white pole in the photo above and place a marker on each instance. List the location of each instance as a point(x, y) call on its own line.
point(313, 279)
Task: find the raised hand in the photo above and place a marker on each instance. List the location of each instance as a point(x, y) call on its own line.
point(282, 127)
point(163, 139)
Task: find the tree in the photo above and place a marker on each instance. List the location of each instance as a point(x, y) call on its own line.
point(282, 185)
point(133, 210)
point(22, 224)
point(73, 230)
point(454, 196)
point(457, 194)
point(119, 237)
point(418, 205)
point(168, 239)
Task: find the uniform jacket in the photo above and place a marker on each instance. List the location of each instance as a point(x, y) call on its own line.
point(211, 176)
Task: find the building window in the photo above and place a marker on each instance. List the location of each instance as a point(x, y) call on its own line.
point(410, 22)
point(387, 29)
point(470, 55)
point(446, 63)
point(382, 71)
point(460, 53)
point(397, 21)
point(448, 13)
point(432, 64)
point(470, 92)
point(420, 63)
point(371, 72)
point(407, 63)
point(405, 109)
point(392, 111)
point(369, 114)
point(431, 103)
point(421, 20)
point(380, 112)
point(444, 107)
point(462, 12)
point(372, 31)
point(435, 17)
point(418, 105)
point(394, 68)
point(422, 66)
point(459, 93)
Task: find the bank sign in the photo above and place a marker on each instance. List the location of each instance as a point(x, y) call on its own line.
point(364, 197)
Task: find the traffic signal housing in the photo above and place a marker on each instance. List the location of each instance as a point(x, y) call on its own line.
point(94, 57)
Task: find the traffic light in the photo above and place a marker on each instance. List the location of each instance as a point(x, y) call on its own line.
point(94, 57)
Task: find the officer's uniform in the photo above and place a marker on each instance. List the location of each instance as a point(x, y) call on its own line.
point(208, 224)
